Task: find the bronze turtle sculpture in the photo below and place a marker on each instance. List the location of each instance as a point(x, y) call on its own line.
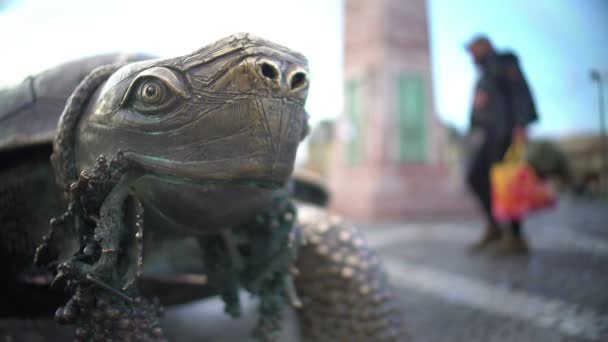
point(173, 172)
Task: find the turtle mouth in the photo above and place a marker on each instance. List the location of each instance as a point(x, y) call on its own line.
point(211, 185)
point(204, 207)
point(204, 197)
point(253, 171)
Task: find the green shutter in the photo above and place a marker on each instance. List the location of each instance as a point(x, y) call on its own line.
point(411, 118)
point(353, 108)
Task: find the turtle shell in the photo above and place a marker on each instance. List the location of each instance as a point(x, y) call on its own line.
point(30, 110)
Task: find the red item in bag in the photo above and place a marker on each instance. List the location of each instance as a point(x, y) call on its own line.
point(516, 189)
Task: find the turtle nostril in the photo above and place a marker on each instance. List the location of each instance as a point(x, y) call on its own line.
point(269, 71)
point(297, 80)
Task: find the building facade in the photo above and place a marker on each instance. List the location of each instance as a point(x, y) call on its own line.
point(388, 160)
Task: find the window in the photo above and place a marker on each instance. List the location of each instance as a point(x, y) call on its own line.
point(411, 118)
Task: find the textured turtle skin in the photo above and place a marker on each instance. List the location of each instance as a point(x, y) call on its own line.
point(344, 291)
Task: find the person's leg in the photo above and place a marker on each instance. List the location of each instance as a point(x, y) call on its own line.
point(514, 242)
point(484, 194)
point(516, 228)
point(479, 182)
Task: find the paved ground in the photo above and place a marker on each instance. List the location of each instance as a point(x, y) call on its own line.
point(558, 293)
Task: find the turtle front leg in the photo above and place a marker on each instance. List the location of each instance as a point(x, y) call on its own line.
point(343, 288)
point(104, 305)
point(109, 233)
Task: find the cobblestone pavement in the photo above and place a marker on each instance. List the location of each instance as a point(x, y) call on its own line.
point(557, 293)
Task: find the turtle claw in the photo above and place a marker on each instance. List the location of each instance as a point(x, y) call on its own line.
point(63, 270)
point(43, 255)
point(58, 278)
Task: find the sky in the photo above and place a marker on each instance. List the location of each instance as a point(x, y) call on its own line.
point(558, 41)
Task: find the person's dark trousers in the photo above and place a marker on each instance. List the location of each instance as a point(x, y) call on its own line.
point(491, 151)
point(478, 178)
point(516, 229)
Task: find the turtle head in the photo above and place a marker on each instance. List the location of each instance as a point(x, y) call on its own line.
point(219, 124)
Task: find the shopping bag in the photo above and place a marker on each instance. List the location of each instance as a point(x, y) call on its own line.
point(516, 188)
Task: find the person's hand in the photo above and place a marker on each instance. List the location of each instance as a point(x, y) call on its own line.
point(520, 134)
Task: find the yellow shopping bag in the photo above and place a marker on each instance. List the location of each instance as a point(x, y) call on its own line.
point(516, 189)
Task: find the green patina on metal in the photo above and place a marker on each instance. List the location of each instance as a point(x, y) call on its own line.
point(256, 256)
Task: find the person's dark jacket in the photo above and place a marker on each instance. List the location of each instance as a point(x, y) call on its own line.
point(509, 100)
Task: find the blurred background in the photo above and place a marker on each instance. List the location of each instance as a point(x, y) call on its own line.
point(390, 97)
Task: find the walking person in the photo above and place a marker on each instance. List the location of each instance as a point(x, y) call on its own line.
point(502, 108)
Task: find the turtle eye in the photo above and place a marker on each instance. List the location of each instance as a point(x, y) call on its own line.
point(154, 91)
point(152, 96)
point(151, 92)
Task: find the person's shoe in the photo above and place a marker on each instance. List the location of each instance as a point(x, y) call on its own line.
point(491, 235)
point(511, 245)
